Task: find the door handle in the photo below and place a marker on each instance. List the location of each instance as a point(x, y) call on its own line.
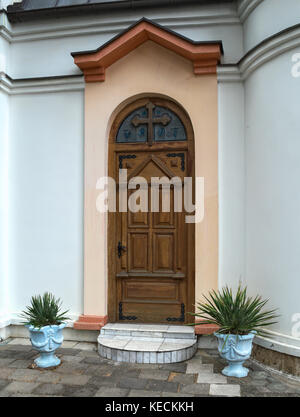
point(121, 249)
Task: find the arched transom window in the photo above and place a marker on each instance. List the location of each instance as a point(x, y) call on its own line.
point(151, 123)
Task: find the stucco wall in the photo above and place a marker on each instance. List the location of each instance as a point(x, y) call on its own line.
point(272, 187)
point(231, 184)
point(46, 189)
point(4, 205)
point(268, 18)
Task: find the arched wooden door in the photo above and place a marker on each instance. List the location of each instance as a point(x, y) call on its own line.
point(151, 254)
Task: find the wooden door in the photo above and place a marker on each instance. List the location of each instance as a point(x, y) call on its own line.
point(151, 254)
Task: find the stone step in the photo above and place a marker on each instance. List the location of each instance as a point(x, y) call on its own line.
point(147, 343)
point(148, 331)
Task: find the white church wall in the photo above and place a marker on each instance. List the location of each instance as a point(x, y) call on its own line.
point(46, 198)
point(43, 49)
point(268, 18)
point(231, 184)
point(4, 209)
point(272, 190)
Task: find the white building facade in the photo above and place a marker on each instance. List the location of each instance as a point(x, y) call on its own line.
point(45, 127)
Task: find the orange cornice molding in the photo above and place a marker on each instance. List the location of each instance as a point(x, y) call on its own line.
point(204, 55)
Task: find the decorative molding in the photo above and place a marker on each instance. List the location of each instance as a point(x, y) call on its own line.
point(229, 74)
point(204, 55)
point(40, 85)
point(95, 26)
point(269, 49)
point(246, 7)
point(13, 319)
point(264, 52)
point(279, 342)
point(89, 322)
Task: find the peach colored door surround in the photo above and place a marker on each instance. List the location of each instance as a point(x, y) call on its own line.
point(156, 65)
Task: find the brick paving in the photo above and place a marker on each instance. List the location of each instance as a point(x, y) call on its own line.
point(83, 373)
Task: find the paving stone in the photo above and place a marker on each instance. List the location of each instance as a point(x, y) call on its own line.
point(211, 379)
point(48, 377)
point(88, 354)
point(257, 382)
point(5, 373)
point(3, 383)
point(175, 394)
point(132, 383)
point(182, 378)
point(79, 390)
point(5, 361)
point(100, 370)
point(26, 375)
point(112, 392)
point(92, 360)
point(67, 351)
point(174, 367)
point(11, 354)
point(143, 393)
point(70, 358)
point(259, 375)
point(199, 368)
point(16, 348)
point(195, 389)
point(71, 368)
point(6, 394)
point(99, 381)
point(20, 363)
point(248, 391)
point(74, 379)
point(22, 387)
point(155, 374)
point(156, 385)
point(20, 341)
point(226, 390)
point(129, 373)
point(277, 387)
point(68, 344)
point(49, 389)
point(87, 346)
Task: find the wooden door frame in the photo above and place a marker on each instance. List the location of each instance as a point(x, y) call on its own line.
point(113, 147)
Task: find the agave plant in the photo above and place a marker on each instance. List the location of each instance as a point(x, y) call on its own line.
point(237, 314)
point(44, 311)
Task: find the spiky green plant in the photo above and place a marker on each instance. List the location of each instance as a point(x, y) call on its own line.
point(44, 311)
point(237, 314)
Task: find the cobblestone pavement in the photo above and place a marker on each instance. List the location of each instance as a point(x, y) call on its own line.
point(83, 373)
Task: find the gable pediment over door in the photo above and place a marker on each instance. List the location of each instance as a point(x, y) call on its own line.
point(204, 55)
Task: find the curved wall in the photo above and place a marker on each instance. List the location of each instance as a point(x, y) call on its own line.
point(269, 18)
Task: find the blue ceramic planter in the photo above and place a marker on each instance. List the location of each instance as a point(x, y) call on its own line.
point(46, 340)
point(236, 350)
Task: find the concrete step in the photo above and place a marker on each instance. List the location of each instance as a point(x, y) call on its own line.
point(146, 343)
point(148, 331)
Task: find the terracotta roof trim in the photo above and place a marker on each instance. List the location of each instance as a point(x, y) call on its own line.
point(205, 56)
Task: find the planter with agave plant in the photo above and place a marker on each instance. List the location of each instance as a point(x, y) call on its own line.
point(45, 323)
point(239, 319)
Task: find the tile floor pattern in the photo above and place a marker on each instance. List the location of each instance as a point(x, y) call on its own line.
point(84, 373)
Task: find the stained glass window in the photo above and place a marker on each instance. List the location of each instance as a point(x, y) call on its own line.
point(153, 124)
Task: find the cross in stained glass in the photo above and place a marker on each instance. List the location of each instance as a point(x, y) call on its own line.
point(151, 121)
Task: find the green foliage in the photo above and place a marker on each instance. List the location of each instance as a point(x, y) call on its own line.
point(44, 311)
point(237, 314)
